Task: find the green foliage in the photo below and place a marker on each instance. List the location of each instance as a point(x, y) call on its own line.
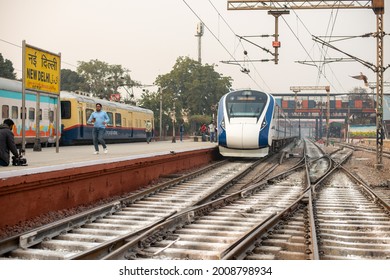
point(6, 68)
point(193, 88)
point(196, 121)
point(102, 79)
point(70, 80)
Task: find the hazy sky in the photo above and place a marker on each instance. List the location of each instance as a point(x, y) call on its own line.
point(147, 37)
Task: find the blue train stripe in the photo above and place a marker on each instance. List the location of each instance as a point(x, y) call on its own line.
point(221, 132)
point(29, 96)
point(264, 133)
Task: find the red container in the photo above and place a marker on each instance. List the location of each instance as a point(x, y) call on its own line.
point(358, 103)
point(338, 104)
point(305, 104)
point(284, 104)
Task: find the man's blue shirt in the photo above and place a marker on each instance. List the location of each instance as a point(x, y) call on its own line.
point(99, 117)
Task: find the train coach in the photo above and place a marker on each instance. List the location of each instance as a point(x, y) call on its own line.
point(127, 122)
point(250, 124)
point(11, 108)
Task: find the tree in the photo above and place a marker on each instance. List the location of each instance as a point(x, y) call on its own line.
point(194, 88)
point(103, 80)
point(6, 68)
point(71, 80)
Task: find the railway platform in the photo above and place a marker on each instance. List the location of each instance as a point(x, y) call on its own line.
point(75, 176)
point(83, 155)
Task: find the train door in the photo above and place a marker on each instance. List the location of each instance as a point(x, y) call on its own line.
point(124, 127)
point(130, 125)
point(81, 120)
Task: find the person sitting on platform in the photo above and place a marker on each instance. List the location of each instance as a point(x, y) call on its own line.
point(7, 142)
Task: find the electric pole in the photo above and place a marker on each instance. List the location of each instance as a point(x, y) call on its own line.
point(199, 34)
point(378, 6)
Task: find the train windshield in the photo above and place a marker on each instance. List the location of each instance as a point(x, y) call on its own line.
point(245, 104)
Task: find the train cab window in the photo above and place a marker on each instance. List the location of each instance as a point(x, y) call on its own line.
point(241, 105)
point(14, 112)
point(5, 111)
point(40, 114)
point(118, 119)
point(31, 114)
point(66, 112)
point(111, 116)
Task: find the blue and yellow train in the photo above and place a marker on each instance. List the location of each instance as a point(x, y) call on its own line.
point(127, 122)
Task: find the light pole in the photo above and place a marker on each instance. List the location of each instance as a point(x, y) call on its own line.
point(173, 121)
point(160, 90)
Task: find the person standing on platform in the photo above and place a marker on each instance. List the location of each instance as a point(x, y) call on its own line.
point(212, 132)
point(7, 142)
point(203, 131)
point(99, 118)
point(181, 132)
point(148, 130)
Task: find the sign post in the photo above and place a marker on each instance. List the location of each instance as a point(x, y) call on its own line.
point(41, 73)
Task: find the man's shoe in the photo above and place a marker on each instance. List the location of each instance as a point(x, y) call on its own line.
point(105, 151)
point(96, 153)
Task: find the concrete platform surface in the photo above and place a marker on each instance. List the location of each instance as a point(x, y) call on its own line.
point(72, 156)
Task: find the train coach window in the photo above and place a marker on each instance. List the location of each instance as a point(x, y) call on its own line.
point(88, 113)
point(31, 113)
point(118, 119)
point(21, 112)
point(5, 111)
point(14, 112)
point(65, 110)
point(111, 116)
point(51, 116)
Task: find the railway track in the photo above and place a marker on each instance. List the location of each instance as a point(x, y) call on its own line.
point(288, 234)
point(121, 219)
point(210, 230)
point(341, 219)
point(351, 221)
point(93, 234)
point(292, 215)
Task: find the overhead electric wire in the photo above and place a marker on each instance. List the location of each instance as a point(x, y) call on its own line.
point(254, 67)
point(320, 71)
point(324, 54)
point(300, 42)
point(15, 45)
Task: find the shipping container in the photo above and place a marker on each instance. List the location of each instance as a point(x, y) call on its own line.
point(338, 104)
point(284, 104)
point(305, 104)
point(291, 104)
point(358, 104)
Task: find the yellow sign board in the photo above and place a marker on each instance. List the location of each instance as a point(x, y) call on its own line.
point(42, 70)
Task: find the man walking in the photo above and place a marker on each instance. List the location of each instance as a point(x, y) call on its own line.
point(148, 130)
point(99, 118)
point(7, 142)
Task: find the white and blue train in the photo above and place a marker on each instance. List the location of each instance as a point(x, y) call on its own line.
point(251, 123)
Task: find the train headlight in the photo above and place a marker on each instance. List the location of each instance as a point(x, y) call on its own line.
point(263, 124)
point(223, 124)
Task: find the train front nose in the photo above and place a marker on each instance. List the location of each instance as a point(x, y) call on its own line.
point(243, 135)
